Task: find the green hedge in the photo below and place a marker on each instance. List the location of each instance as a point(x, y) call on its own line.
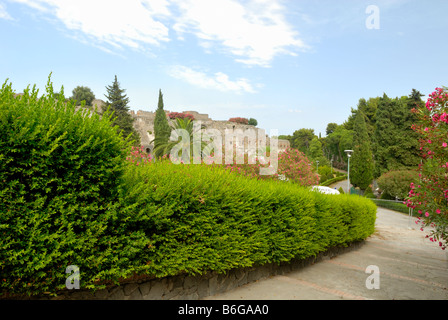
point(68, 197)
point(59, 187)
point(201, 218)
point(396, 206)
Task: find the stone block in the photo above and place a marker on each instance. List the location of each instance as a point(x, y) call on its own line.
point(136, 295)
point(190, 281)
point(117, 294)
point(158, 289)
point(102, 294)
point(213, 285)
point(145, 287)
point(130, 288)
point(203, 288)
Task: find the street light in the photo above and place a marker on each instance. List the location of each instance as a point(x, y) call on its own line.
point(349, 154)
point(317, 161)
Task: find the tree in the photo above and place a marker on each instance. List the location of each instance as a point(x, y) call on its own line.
point(81, 93)
point(117, 102)
point(125, 123)
point(429, 196)
point(183, 138)
point(316, 152)
point(369, 108)
point(416, 96)
point(302, 139)
point(162, 130)
point(336, 142)
point(361, 164)
point(116, 97)
point(396, 144)
point(253, 122)
point(331, 127)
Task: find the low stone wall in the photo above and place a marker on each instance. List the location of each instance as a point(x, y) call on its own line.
point(185, 287)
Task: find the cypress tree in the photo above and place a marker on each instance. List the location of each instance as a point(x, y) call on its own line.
point(162, 130)
point(361, 163)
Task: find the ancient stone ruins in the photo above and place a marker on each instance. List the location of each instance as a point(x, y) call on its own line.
point(144, 124)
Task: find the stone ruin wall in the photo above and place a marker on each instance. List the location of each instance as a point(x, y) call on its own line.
point(144, 124)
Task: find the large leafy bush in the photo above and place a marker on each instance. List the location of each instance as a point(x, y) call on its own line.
point(60, 174)
point(397, 183)
point(429, 197)
point(293, 166)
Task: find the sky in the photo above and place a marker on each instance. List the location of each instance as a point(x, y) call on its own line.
point(288, 64)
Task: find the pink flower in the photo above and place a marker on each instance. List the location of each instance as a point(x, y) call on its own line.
point(426, 214)
point(438, 211)
point(444, 145)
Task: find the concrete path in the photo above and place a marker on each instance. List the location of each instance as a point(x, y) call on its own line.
point(339, 184)
point(409, 267)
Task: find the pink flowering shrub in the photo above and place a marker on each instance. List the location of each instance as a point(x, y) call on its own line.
point(429, 197)
point(293, 165)
point(296, 167)
point(239, 120)
point(181, 115)
point(137, 156)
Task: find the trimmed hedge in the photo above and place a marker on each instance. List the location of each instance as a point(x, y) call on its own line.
point(396, 206)
point(68, 197)
point(202, 218)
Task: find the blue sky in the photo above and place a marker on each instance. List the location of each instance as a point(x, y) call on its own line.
point(288, 64)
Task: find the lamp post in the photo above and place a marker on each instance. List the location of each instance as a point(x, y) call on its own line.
point(349, 154)
point(317, 161)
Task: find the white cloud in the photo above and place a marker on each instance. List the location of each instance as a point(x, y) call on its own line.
point(255, 32)
point(219, 81)
point(4, 14)
point(130, 23)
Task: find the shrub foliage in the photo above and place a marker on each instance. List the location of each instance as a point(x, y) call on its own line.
point(397, 183)
point(58, 194)
point(202, 217)
point(69, 197)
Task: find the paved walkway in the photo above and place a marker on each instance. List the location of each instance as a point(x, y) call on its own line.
point(339, 184)
point(410, 267)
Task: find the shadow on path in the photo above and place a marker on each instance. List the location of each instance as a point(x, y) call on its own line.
point(410, 267)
